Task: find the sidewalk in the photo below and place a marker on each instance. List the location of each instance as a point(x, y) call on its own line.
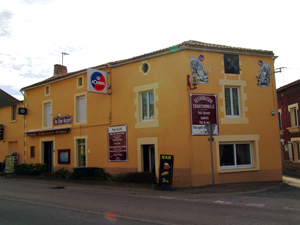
point(231, 188)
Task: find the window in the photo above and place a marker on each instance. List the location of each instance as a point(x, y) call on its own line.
point(81, 109)
point(232, 101)
point(145, 67)
point(231, 64)
point(81, 152)
point(14, 112)
point(47, 114)
point(80, 82)
point(146, 97)
point(294, 117)
point(298, 149)
point(147, 104)
point(279, 120)
point(235, 155)
point(47, 90)
point(31, 151)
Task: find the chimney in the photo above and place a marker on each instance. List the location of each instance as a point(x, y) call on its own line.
point(59, 70)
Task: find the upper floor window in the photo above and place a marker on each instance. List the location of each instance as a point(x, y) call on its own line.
point(81, 109)
point(294, 117)
point(279, 120)
point(231, 64)
point(80, 82)
point(48, 114)
point(232, 101)
point(293, 109)
point(147, 106)
point(47, 90)
point(14, 112)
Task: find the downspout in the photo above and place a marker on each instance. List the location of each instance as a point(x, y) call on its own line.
point(23, 141)
point(276, 104)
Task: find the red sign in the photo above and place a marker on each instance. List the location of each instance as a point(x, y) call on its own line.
point(117, 143)
point(204, 111)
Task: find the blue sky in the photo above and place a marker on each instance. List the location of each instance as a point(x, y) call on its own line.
point(34, 33)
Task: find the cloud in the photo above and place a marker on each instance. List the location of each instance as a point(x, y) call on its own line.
point(5, 17)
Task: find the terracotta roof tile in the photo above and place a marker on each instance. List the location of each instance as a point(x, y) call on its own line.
point(184, 45)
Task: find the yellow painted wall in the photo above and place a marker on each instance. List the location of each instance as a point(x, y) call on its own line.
point(13, 133)
point(170, 131)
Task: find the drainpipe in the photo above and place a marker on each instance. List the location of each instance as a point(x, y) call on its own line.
point(23, 141)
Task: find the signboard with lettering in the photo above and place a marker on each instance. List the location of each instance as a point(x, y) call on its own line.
point(117, 144)
point(204, 111)
point(97, 81)
point(1, 132)
point(9, 164)
point(62, 120)
point(166, 170)
point(48, 132)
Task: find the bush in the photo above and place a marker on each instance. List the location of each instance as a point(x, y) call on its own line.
point(136, 177)
point(91, 173)
point(30, 169)
point(62, 173)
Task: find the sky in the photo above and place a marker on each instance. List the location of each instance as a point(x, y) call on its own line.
point(34, 33)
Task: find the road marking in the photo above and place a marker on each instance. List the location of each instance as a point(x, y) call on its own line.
point(164, 197)
point(256, 205)
point(292, 209)
point(222, 202)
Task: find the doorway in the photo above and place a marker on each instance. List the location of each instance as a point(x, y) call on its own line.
point(48, 155)
point(149, 158)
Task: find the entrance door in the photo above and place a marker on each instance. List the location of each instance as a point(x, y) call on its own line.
point(48, 156)
point(149, 158)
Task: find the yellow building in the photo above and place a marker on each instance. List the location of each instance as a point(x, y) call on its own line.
point(11, 127)
point(123, 115)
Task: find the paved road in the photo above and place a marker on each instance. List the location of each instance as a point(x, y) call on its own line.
point(27, 202)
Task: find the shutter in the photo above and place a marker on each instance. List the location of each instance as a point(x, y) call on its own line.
point(48, 115)
point(81, 109)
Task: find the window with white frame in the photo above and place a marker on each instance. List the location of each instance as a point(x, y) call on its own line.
point(47, 114)
point(232, 101)
point(81, 109)
point(235, 155)
point(294, 117)
point(147, 106)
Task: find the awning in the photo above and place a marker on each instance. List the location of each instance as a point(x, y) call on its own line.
point(56, 130)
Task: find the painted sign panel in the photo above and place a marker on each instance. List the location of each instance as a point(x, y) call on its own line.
point(204, 111)
point(117, 143)
point(62, 120)
point(263, 79)
point(166, 169)
point(97, 81)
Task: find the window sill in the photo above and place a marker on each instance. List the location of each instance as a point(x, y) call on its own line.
point(237, 170)
point(293, 129)
point(13, 121)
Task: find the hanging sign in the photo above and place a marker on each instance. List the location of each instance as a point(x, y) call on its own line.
point(117, 143)
point(97, 81)
point(204, 111)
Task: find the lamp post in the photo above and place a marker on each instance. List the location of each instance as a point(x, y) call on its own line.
point(210, 129)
